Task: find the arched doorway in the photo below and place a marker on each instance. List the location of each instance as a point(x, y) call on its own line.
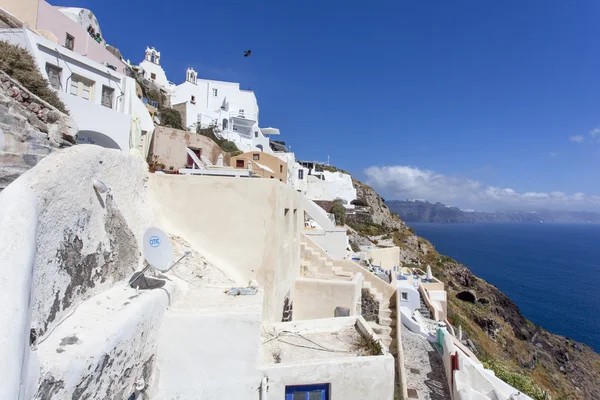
point(96, 138)
point(260, 147)
point(225, 123)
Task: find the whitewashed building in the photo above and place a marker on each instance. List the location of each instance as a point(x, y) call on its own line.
point(297, 174)
point(234, 111)
point(101, 101)
point(153, 71)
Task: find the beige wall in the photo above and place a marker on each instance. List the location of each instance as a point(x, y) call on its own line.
point(318, 298)
point(278, 166)
point(250, 228)
point(169, 145)
point(25, 10)
point(386, 258)
point(182, 108)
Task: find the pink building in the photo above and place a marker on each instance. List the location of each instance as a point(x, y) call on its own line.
point(62, 26)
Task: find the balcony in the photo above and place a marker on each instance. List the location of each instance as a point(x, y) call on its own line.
point(240, 117)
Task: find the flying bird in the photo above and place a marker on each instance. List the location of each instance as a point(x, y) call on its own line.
point(247, 53)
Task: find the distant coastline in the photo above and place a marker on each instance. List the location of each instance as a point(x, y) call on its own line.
point(424, 211)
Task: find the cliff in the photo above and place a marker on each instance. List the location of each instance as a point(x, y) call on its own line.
point(33, 123)
point(424, 211)
point(523, 354)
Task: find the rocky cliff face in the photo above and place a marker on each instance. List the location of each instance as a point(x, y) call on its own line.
point(527, 356)
point(30, 129)
point(424, 211)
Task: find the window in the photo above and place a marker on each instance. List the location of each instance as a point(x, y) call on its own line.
point(53, 75)
point(255, 133)
point(190, 160)
point(300, 174)
point(241, 113)
point(70, 42)
point(82, 87)
point(215, 92)
point(107, 96)
point(224, 123)
point(239, 163)
point(193, 100)
point(405, 296)
point(153, 76)
point(280, 168)
point(256, 157)
point(307, 392)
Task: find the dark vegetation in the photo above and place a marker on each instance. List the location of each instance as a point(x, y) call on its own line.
point(16, 62)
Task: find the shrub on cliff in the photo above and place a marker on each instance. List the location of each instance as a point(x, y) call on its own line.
point(210, 132)
point(170, 117)
point(338, 209)
point(17, 63)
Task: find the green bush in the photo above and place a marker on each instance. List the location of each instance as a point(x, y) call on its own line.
point(171, 118)
point(339, 211)
point(228, 146)
point(17, 63)
point(368, 229)
point(225, 145)
point(355, 248)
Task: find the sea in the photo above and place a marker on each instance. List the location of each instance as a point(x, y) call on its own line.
point(551, 271)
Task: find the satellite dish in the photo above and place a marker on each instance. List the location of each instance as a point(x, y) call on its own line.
point(157, 249)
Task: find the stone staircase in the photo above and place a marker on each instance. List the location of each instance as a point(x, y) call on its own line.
point(423, 309)
point(316, 263)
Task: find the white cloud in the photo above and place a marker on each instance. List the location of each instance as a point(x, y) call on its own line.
point(553, 154)
point(405, 182)
point(576, 138)
point(595, 133)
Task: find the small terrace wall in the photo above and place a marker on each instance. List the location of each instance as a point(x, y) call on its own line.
point(318, 298)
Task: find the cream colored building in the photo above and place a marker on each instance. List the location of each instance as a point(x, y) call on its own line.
point(263, 164)
point(169, 148)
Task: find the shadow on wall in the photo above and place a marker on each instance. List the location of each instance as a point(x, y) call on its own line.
point(97, 138)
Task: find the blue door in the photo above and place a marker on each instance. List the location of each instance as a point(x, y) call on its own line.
point(307, 392)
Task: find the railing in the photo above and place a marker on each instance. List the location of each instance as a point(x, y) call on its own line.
point(435, 311)
point(243, 114)
point(151, 102)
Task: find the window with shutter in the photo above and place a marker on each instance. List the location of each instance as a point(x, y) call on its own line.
point(107, 96)
point(53, 75)
point(82, 87)
point(70, 42)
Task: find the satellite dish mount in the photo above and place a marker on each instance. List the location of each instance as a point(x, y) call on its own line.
point(158, 254)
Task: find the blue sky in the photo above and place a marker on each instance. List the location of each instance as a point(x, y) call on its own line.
point(443, 99)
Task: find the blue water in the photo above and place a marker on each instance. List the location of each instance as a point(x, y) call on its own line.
point(551, 271)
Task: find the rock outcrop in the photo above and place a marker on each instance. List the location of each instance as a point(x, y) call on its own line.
point(30, 129)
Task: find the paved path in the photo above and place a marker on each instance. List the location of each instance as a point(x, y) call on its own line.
point(424, 367)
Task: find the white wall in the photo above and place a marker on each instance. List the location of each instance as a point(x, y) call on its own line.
point(336, 185)
point(208, 108)
point(250, 227)
point(333, 241)
point(413, 303)
point(18, 235)
point(219, 361)
point(92, 119)
point(352, 378)
point(152, 68)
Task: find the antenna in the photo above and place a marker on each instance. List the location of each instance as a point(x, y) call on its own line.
point(158, 253)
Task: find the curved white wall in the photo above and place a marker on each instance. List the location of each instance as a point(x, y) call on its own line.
point(18, 232)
